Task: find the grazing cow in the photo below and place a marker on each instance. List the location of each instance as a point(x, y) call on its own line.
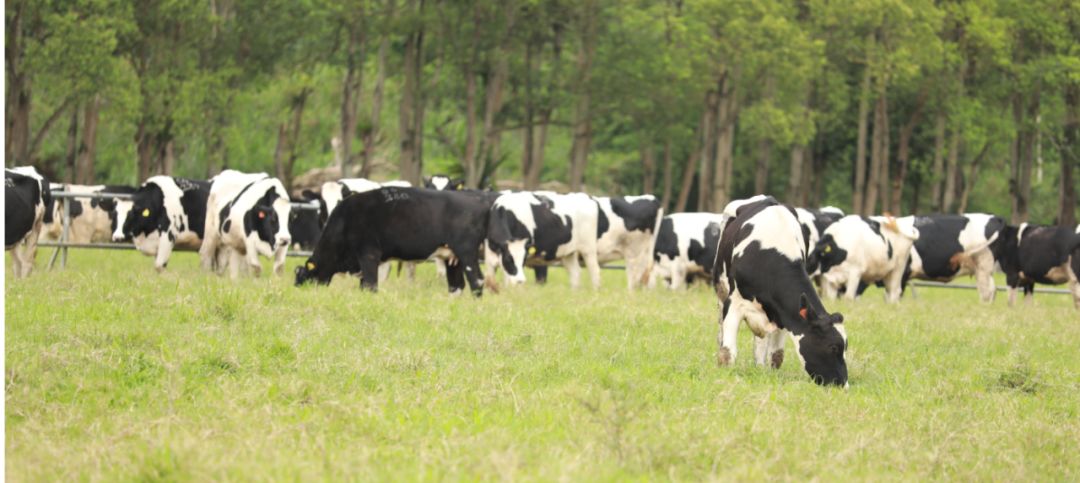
point(1031, 254)
point(953, 245)
point(760, 277)
point(27, 200)
point(165, 212)
point(443, 182)
point(1074, 283)
point(625, 231)
point(686, 247)
point(92, 220)
point(334, 191)
point(528, 229)
point(864, 249)
point(368, 229)
point(247, 216)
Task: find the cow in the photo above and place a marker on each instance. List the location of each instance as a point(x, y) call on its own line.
point(333, 192)
point(1074, 283)
point(815, 221)
point(247, 216)
point(91, 219)
point(760, 277)
point(528, 229)
point(413, 224)
point(304, 228)
point(165, 213)
point(864, 249)
point(625, 231)
point(1031, 254)
point(443, 182)
point(953, 245)
point(27, 201)
point(685, 247)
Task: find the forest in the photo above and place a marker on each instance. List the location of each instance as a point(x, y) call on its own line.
point(899, 106)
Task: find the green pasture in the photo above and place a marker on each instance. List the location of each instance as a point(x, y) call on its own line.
point(116, 373)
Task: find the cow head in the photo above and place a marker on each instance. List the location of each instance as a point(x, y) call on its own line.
point(268, 220)
point(825, 255)
point(820, 340)
point(312, 269)
point(443, 182)
point(509, 242)
point(117, 216)
point(147, 214)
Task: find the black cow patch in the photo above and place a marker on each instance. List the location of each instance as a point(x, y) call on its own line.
point(639, 215)
point(667, 243)
point(22, 195)
point(602, 223)
point(938, 243)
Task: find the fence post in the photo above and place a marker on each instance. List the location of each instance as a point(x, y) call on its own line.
point(64, 234)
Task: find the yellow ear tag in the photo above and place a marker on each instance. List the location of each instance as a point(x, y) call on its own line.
point(828, 248)
point(532, 250)
point(310, 266)
point(146, 212)
point(459, 186)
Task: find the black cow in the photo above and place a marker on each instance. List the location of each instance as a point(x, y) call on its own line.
point(369, 228)
point(760, 276)
point(166, 212)
point(304, 228)
point(27, 198)
point(1031, 254)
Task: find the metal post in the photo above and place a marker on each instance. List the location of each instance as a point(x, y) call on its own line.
point(64, 234)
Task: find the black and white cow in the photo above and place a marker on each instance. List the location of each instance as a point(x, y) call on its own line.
point(626, 230)
point(953, 245)
point(1031, 254)
point(247, 216)
point(165, 213)
point(529, 229)
point(814, 222)
point(760, 277)
point(368, 229)
point(685, 247)
point(864, 249)
point(443, 182)
point(27, 201)
point(92, 220)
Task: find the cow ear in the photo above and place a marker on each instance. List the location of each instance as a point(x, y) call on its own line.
point(836, 318)
point(309, 195)
point(806, 311)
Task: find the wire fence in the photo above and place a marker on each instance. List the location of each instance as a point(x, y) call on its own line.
point(62, 246)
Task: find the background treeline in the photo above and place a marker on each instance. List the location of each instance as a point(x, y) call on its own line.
point(870, 105)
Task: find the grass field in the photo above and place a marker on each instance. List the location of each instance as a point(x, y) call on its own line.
point(117, 373)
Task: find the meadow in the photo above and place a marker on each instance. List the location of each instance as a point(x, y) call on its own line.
point(116, 373)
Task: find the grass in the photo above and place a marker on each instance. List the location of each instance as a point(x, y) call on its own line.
point(117, 373)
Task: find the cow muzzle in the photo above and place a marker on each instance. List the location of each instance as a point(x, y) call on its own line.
point(282, 241)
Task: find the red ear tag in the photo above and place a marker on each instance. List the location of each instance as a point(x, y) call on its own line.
point(802, 313)
point(262, 214)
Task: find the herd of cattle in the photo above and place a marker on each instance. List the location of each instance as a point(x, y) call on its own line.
point(761, 256)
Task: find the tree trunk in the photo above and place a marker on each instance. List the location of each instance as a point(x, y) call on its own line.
point(532, 178)
point(858, 194)
point(471, 156)
point(279, 150)
point(154, 149)
point(1027, 145)
point(727, 110)
point(371, 133)
point(294, 138)
point(972, 177)
point(878, 138)
point(35, 144)
point(648, 166)
point(903, 152)
point(708, 134)
point(883, 158)
point(18, 95)
point(350, 94)
point(411, 105)
point(686, 183)
point(493, 104)
point(579, 151)
point(794, 194)
point(84, 162)
point(527, 132)
point(939, 161)
point(72, 145)
point(1070, 157)
point(665, 198)
point(952, 169)
point(761, 169)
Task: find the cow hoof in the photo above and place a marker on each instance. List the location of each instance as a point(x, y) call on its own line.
point(723, 357)
point(778, 359)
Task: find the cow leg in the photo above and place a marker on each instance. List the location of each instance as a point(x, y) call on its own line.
point(593, 264)
point(369, 273)
point(440, 267)
point(455, 278)
point(164, 251)
point(540, 273)
point(384, 271)
point(252, 258)
point(16, 262)
point(678, 276)
point(279, 259)
point(29, 249)
point(893, 286)
point(1012, 295)
point(410, 270)
point(570, 262)
point(209, 250)
point(236, 262)
point(776, 348)
point(761, 349)
point(851, 289)
point(729, 328)
point(1029, 293)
